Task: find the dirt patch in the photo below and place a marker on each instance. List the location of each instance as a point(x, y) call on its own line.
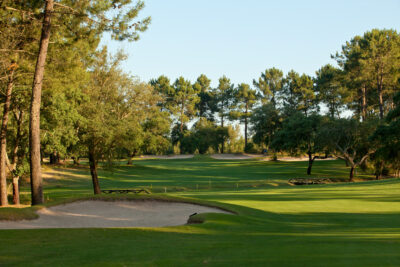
point(108, 214)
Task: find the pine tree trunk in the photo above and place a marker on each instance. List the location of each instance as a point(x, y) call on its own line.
point(364, 103)
point(34, 126)
point(93, 171)
point(3, 141)
point(16, 190)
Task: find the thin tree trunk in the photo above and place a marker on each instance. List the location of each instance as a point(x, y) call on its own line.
point(93, 171)
point(310, 163)
point(351, 174)
point(34, 126)
point(14, 159)
point(3, 141)
point(379, 168)
point(380, 92)
point(182, 113)
point(130, 158)
point(20, 118)
point(245, 126)
point(273, 100)
point(76, 160)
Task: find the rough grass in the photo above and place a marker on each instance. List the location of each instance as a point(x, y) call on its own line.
point(346, 224)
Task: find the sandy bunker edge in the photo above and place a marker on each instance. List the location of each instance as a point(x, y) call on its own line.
point(112, 214)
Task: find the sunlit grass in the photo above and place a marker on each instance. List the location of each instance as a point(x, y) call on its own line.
point(344, 224)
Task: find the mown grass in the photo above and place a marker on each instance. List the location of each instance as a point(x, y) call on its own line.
point(347, 224)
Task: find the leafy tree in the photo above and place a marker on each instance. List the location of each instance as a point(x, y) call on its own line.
point(270, 84)
point(17, 33)
point(114, 111)
point(204, 132)
point(349, 140)
point(156, 130)
point(235, 141)
point(83, 13)
point(301, 134)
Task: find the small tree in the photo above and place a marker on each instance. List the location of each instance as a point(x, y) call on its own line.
point(349, 140)
point(301, 134)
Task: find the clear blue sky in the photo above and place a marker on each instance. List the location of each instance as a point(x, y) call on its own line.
point(240, 39)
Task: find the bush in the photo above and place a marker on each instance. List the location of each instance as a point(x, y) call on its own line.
point(250, 148)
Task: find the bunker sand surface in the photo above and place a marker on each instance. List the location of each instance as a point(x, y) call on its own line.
point(111, 214)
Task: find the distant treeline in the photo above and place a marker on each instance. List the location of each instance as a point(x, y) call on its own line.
point(54, 74)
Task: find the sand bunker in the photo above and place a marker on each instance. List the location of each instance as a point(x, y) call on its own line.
point(234, 156)
point(167, 157)
point(105, 214)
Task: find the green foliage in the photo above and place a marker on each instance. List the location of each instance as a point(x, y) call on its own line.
point(371, 65)
point(204, 135)
point(300, 134)
point(298, 94)
point(206, 106)
point(350, 140)
point(224, 97)
point(270, 84)
point(185, 99)
point(331, 90)
point(245, 99)
point(388, 136)
point(265, 121)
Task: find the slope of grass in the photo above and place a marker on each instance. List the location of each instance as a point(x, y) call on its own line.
point(345, 224)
